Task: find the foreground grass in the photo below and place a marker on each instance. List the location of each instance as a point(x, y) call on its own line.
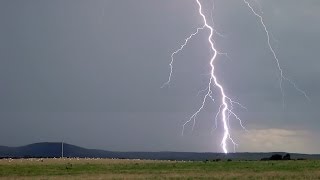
point(141, 169)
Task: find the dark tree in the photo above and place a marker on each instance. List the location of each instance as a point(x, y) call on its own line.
point(276, 157)
point(287, 157)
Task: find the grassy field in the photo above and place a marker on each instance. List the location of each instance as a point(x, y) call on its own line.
point(142, 169)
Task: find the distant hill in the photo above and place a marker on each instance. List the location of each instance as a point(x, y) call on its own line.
point(50, 150)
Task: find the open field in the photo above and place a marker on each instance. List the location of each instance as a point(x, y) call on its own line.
point(146, 169)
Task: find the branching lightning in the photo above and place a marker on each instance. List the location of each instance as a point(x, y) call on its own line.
point(177, 51)
point(226, 107)
point(225, 111)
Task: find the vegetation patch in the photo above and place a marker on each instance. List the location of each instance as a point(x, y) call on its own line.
point(106, 168)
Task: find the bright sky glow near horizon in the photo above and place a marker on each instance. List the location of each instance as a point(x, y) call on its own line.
point(89, 73)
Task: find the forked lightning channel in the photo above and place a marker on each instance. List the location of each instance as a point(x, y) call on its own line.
point(225, 110)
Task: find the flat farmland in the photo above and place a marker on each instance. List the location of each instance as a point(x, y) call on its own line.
point(147, 169)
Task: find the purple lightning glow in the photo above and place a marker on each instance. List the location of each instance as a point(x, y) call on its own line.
point(225, 110)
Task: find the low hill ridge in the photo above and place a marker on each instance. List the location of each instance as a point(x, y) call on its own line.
point(54, 149)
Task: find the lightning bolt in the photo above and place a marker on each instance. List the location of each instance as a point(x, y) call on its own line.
point(226, 107)
point(281, 73)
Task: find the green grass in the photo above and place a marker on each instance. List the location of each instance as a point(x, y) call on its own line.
point(60, 169)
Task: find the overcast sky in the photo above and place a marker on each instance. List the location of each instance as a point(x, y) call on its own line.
point(90, 73)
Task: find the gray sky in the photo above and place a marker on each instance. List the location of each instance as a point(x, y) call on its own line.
point(90, 72)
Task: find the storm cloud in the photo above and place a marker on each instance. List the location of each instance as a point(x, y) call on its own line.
point(90, 73)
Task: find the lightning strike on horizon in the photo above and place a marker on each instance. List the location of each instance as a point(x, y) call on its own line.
point(226, 107)
point(224, 110)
